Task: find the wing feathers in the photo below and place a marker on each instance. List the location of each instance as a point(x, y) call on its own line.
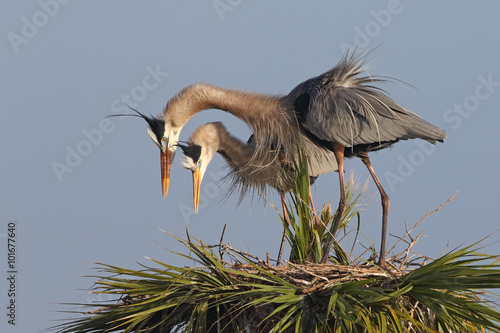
point(345, 107)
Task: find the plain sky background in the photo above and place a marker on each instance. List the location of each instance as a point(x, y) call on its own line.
point(65, 67)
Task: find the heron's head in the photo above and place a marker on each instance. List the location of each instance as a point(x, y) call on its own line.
point(165, 136)
point(198, 151)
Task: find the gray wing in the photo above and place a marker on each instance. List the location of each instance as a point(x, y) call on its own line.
point(343, 106)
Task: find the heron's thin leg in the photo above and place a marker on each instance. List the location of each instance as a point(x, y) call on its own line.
point(317, 222)
point(287, 221)
point(338, 150)
point(316, 218)
point(312, 207)
point(385, 209)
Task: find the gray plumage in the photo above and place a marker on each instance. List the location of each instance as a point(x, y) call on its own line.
point(343, 106)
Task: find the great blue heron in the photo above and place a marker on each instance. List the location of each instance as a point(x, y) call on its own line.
point(212, 138)
point(336, 115)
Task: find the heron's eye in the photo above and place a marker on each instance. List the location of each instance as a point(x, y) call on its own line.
point(164, 142)
point(198, 164)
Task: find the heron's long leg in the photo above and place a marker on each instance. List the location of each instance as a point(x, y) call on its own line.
point(316, 218)
point(385, 209)
point(338, 150)
point(287, 221)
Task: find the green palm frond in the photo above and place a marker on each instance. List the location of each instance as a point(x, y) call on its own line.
point(309, 231)
point(446, 295)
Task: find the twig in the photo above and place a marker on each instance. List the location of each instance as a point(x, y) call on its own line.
point(282, 245)
point(220, 241)
point(313, 288)
point(242, 253)
point(306, 271)
point(422, 219)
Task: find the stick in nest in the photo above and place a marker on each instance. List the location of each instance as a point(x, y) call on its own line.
point(406, 254)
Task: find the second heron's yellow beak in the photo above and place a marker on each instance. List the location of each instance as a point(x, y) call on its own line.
point(166, 161)
point(196, 188)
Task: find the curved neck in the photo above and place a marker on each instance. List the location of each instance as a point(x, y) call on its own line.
point(249, 107)
point(237, 153)
point(271, 118)
point(249, 174)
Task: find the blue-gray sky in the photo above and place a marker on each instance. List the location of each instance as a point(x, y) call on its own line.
point(81, 190)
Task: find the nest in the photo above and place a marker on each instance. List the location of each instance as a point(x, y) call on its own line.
point(315, 277)
point(308, 278)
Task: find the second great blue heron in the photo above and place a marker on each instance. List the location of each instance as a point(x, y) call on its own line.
point(332, 116)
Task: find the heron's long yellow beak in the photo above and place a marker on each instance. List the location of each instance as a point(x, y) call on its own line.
point(196, 188)
point(166, 161)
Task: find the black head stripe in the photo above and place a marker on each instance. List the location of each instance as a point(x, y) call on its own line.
point(191, 150)
point(157, 125)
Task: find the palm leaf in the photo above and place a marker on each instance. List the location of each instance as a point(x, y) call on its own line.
point(445, 295)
